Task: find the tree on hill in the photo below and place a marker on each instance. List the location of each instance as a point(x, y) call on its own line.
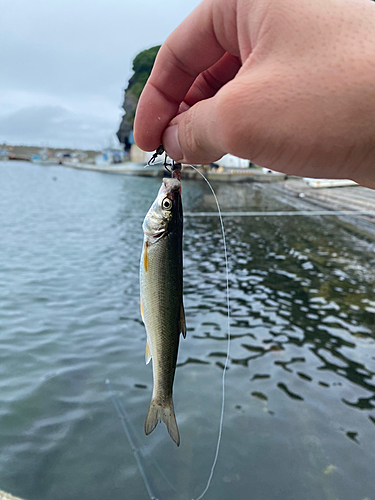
point(142, 66)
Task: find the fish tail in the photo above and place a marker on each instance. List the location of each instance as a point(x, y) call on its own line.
point(162, 413)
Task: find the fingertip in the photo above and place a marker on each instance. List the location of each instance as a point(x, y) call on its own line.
point(153, 114)
point(144, 134)
point(171, 143)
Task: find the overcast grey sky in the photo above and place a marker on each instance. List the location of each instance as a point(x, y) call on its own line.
point(65, 63)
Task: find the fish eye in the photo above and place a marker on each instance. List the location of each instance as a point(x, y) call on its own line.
point(167, 204)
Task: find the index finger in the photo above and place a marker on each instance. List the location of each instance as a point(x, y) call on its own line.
point(190, 49)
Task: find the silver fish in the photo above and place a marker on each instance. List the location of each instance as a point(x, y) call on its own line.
point(161, 300)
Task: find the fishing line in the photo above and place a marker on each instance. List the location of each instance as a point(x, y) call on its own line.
point(221, 421)
point(228, 344)
point(123, 418)
point(142, 452)
point(122, 414)
point(130, 429)
point(280, 213)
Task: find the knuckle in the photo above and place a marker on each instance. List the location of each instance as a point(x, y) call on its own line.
point(191, 142)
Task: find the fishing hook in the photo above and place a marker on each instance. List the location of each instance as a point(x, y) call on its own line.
point(173, 168)
point(157, 153)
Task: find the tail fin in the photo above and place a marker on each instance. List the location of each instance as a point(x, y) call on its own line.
point(158, 413)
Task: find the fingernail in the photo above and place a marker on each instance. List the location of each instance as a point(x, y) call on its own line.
point(171, 143)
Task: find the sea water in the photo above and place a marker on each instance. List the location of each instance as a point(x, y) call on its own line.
point(299, 419)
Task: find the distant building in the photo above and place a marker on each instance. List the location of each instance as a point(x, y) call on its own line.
point(230, 161)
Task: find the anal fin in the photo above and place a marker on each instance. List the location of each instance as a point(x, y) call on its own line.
point(147, 353)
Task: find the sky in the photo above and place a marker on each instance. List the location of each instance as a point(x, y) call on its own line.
point(65, 64)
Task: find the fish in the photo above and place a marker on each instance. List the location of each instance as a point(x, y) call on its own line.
point(162, 309)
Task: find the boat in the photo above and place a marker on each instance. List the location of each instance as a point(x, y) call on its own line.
point(110, 156)
point(44, 157)
point(4, 154)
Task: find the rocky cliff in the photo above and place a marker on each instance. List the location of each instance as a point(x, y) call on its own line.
point(142, 66)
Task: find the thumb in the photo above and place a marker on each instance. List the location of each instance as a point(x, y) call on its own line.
point(194, 135)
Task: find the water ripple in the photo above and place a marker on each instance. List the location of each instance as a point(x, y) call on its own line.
point(301, 378)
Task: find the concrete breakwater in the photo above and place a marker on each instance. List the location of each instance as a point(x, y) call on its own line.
point(355, 198)
point(224, 175)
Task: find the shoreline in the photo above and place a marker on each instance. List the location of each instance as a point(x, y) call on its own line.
point(142, 170)
point(353, 198)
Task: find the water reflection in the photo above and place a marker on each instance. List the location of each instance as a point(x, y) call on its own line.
point(300, 300)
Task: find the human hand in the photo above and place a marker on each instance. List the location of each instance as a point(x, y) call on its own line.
point(288, 84)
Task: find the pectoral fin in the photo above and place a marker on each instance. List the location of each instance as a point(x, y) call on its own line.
point(145, 256)
point(148, 354)
point(182, 320)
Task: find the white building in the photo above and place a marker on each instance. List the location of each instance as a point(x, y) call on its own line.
point(230, 161)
